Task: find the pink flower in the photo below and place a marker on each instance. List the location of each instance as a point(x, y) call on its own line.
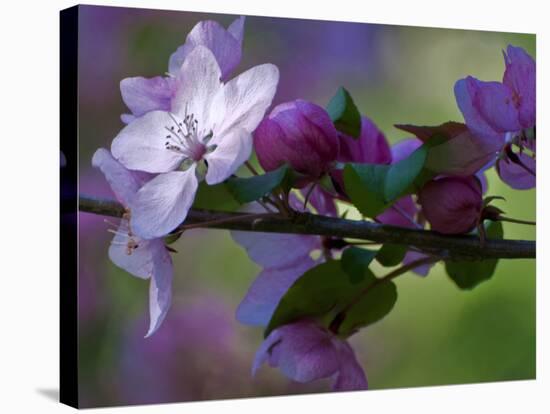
point(143, 95)
point(283, 258)
point(210, 125)
point(305, 352)
point(452, 205)
point(146, 259)
point(502, 113)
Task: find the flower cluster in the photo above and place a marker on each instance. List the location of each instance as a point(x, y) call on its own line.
point(198, 124)
point(184, 128)
point(503, 114)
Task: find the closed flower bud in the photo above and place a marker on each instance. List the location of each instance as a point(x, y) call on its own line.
point(299, 133)
point(452, 205)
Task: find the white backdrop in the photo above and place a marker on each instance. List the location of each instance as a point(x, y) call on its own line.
point(29, 162)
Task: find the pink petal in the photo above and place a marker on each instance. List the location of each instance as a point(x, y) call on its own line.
point(162, 204)
point(123, 182)
point(263, 353)
point(236, 28)
point(495, 102)
point(413, 256)
point(322, 201)
point(465, 93)
point(520, 76)
point(516, 176)
point(306, 352)
point(143, 95)
point(351, 376)
point(274, 250)
point(268, 288)
point(225, 44)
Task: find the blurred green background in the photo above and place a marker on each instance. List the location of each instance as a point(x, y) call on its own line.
point(436, 333)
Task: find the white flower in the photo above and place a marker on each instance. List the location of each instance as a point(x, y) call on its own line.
point(211, 123)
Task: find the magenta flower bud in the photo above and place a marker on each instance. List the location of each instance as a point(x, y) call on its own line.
point(299, 133)
point(452, 205)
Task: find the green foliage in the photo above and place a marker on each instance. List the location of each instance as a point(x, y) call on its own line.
point(344, 289)
point(172, 238)
point(372, 187)
point(344, 114)
point(216, 197)
point(403, 174)
point(468, 275)
point(391, 254)
point(373, 305)
point(364, 185)
point(248, 189)
point(355, 262)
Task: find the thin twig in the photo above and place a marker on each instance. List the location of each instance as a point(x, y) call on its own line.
point(251, 168)
point(517, 221)
point(224, 220)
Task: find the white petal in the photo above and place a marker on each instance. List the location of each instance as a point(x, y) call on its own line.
point(143, 95)
point(160, 289)
point(243, 100)
point(141, 144)
point(140, 262)
point(162, 204)
point(198, 82)
point(231, 152)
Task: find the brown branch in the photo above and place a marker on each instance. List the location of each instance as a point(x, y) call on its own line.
point(461, 247)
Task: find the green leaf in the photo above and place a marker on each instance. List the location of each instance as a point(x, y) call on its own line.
point(468, 275)
point(376, 303)
point(372, 187)
point(402, 175)
point(344, 113)
point(355, 262)
point(338, 287)
point(172, 238)
point(391, 254)
point(316, 293)
point(248, 189)
point(365, 187)
point(215, 197)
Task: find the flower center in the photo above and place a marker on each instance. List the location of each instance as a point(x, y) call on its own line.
point(185, 138)
point(516, 99)
point(124, 236)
